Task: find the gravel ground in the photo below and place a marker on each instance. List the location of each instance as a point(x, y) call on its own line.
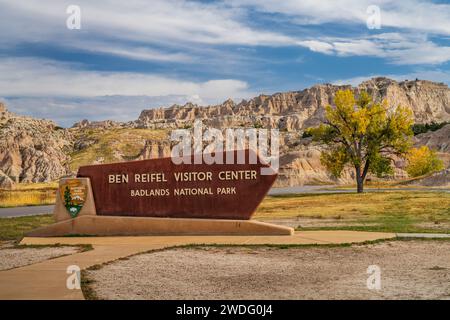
point(409, 270)
point(11, 257)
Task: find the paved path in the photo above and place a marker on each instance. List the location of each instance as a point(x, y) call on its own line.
point(47, 279)
point(423, 235)
point(25, 211)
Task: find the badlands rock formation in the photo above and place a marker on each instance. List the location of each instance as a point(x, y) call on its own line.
point(430, 101)
point(292, 111)
point(31, 150)
point(438, 140)
point(34, 150)
point(155, 149)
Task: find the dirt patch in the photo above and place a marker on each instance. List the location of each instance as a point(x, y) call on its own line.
point(441, 226)
point(7, 244)
point(409, 270)
point(11, 257)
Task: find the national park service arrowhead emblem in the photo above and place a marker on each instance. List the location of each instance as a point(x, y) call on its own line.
point(73, 194)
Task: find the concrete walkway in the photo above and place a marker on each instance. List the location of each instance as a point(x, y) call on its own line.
point(424, 235)
point(47, 279)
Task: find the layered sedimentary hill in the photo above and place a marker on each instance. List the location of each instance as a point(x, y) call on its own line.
point(291, 111)
point(33, 150)
point(438, 140)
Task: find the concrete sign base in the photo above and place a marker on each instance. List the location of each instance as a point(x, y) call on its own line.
point(126, 226)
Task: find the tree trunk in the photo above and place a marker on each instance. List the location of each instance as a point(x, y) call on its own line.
point(360, 184)
point(359, 180)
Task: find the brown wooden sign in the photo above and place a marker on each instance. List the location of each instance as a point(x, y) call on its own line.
point(160, 188)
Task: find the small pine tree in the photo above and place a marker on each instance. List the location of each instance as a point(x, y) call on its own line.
point(67, 197)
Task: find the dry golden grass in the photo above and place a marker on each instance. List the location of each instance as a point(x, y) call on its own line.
point(348, 205)
point(36, 186)
point(392, 211)
point(29, 195)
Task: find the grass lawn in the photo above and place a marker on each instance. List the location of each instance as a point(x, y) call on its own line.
point(14, 228)
point(29, 194)
point(392, 211)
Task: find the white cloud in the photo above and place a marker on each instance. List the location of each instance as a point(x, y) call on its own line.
point(134, 53)
point(409, 14)
point(317, 46)
point(38, 77)
point(65, 93)
point(397, 48)
point(413, 20)
point(198, 35)
point(187, 29)
point(137, 20)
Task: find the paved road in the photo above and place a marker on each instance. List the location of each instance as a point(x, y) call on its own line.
point(34, 210)
point(25, 211)
point(301, 189)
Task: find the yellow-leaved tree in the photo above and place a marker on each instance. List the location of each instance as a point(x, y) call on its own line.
point(363, 134)
point(422, 161)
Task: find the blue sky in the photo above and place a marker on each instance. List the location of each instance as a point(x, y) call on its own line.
point(135, 54)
